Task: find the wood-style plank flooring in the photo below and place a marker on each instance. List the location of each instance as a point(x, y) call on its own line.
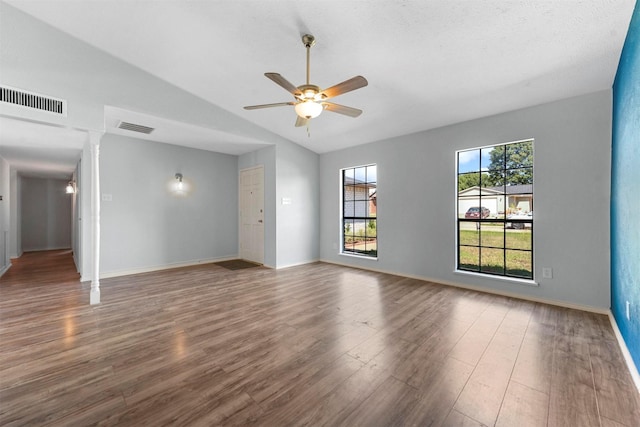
point(312, 345)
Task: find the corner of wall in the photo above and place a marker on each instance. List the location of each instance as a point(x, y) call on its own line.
point(625, 183)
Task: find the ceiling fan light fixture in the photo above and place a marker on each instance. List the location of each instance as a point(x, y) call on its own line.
point(308, 109)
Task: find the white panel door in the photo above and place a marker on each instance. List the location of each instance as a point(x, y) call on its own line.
point(252, 214)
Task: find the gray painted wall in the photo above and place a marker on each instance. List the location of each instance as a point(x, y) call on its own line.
point(416, 198)
point(146, 225)
point(298, 222)
point(292, 230)
point(46, 214)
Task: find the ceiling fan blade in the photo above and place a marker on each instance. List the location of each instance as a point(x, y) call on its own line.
point(341, 109)
point(346, 86)
point(301, 121)
point(281, 81)
point(279, 104)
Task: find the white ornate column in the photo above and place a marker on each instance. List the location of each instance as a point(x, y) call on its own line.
point(94, 142)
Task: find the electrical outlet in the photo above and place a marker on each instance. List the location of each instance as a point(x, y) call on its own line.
point(547, 273)
point(628, 310)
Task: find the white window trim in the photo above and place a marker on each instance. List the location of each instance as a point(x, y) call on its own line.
point(520, 281)
point(341, 218)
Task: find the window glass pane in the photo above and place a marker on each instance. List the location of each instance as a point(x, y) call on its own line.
point(492, 260)
point(348, 175)
point(467, 181)
point(469, 161)
point(359, 192)
point(348, 235)
point(372, 229)
point(469, 258)
point(360, 175)
point(492, 234)
point(348, 227)
point(519, 264)
point(520, 206)
point(492, 158)
point(469, 207)
point(372, 173)
point(349, 245)
point(521, 177)
point(371, 247)
point(519, 238)
point(361, 208)
point(359, 232)
point(349, 192)
point(520, 155)
point(469, 233)
point(349, 208)
point(493, 182)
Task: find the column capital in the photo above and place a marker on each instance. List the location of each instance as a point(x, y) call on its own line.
point(95, 137)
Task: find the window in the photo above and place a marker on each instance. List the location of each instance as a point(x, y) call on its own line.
point(359, 208)
point(495, 210)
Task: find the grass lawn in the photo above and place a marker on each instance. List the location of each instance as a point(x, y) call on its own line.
point(491, 257)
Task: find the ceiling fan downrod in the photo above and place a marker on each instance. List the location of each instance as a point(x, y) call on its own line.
point(308, 40)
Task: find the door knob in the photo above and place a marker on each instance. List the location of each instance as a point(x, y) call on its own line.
point(259, 220)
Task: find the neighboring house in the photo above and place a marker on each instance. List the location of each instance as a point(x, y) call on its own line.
point(518, 198)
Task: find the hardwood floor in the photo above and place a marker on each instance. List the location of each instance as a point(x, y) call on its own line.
point(312, 345)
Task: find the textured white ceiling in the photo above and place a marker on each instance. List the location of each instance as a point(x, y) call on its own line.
point(428, 63)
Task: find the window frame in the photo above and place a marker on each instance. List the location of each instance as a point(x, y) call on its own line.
point(366, 219)
point(504, 275)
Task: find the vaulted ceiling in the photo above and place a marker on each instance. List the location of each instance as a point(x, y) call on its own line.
point(428, 63)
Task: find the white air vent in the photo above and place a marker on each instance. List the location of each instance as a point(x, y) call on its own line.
point(33, 100)
point(135, 128)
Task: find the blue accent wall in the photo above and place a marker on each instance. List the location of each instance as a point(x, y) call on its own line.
point(625, 190)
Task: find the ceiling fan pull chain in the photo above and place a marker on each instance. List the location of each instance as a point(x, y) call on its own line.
point(308, 131)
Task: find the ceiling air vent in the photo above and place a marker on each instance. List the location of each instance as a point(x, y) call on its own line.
point(33, 100)
point(135, 128)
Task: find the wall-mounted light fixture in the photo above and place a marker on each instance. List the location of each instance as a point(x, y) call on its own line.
point(179, 186)
point(71, 187)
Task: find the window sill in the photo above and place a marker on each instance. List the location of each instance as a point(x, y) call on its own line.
point(515, 280)
point(358, 256)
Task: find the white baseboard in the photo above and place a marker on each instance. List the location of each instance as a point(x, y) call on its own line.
point(5, 269)
point(481, 289)
point(52, 248)
point(296, 264)
point(109, 274)
point(633, 370)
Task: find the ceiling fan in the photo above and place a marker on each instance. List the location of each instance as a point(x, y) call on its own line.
point(310, 100)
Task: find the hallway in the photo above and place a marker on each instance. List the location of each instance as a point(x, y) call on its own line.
point(35, 269)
